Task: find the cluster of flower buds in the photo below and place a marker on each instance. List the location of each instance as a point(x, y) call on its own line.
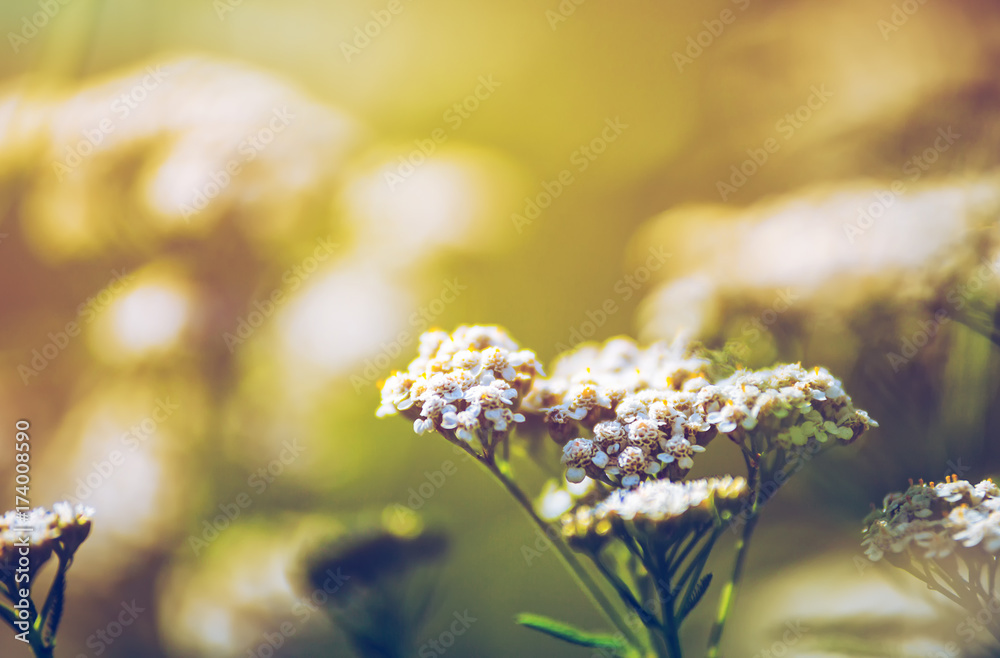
point(932, 521)
point(656, 507)
point(786, 407)
point(59, 531)
point(625, 414)
point(466, 385)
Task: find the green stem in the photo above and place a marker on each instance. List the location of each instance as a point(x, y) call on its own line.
point(35, 639)
point(626, 595)
point(8, 615)
point(583, 578)
point(700, 558)
point(933, 584)
point(675, 561)
point(56, 592)
point(624, 592)
point(993, 576)
point(671, 632)
point(728, 595)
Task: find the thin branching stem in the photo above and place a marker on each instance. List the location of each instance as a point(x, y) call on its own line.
point(678, 560)
point(671, 630)
point(728, 595)
point(699, 566)
point(583, 578)
point(993, 576)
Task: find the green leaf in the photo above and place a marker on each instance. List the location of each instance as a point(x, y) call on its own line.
point(570, 634)
point(694, 596)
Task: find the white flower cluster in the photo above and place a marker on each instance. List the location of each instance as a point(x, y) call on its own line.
point(793, 406)
point(620, 367)
point(931, 521)
point(468, 382)
point(640, 413)
point(62, 530)
point(659, 505)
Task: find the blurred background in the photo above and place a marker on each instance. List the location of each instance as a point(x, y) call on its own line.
point(223, 222)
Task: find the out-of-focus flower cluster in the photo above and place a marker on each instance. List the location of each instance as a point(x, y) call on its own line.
point(467, 384)
point(637, 413)
point(932, 521)
point(860, 248)
point(60, 530)
point(655, 507)
point(191, 153)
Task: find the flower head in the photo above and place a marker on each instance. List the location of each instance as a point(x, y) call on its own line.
point(659, 402)
point(60, 531)
point(930, 521)
point(657, 508)
point(466, 384)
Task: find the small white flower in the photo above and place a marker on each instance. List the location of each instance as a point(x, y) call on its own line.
point(495, 359)
point(578, 452)
point(631, 462)
point(644, 434)
point(630, 409)
point(446, 386)
point(680, 451)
